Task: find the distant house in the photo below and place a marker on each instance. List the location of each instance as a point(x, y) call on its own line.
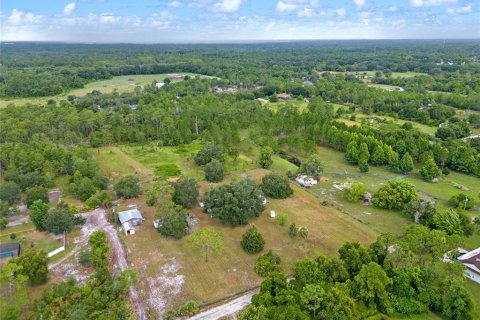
point(284, 96)
point(9, 250)
point(471, 261)
point(306, 181)
point(159, 84)
point(130, 219)
point(133, 106)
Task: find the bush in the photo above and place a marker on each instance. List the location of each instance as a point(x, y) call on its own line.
point(190, 308)
point(267, 263)
point(127, 187)
point(3, 223)
point(394, 195)
point(282, 219)
point(173, 219)
point(214, 171)
point(276, 186)
point(209, 152)
point(293, 230)
point(13, 236)
point(462, 201)
point(235, 203)
point(355, 191)
point(252, 241)
point(185, 192)
point(36, 193)
point(265, 160)
point(85, 258)
point(313, 166)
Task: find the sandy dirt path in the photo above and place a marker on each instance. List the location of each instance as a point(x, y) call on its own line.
point(97, 220)
point(228, 309)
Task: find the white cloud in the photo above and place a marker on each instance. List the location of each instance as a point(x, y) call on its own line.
point(305, 12)
point(429, 3)
point(285, 7)
point(341, 12)
point(24, 18)
point(392, 9)
point(359, 3)
point(227, 5)
point(462, 10)
point(109, 18)
point(175, 4)
point(69, 8)
point(270, 25)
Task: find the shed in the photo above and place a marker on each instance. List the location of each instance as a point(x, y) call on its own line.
point(130, 219)
point(9, 250)
point(284, 96)
point(366, 198)
point(159, 84)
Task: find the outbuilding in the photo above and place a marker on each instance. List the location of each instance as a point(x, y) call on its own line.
point(9, 250)
point(130, 219)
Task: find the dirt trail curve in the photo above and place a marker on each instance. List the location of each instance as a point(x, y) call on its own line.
point(96, 220)
point(229, 308)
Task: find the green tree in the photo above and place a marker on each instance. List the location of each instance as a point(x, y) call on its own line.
point(313, 166)
point(252, 241)
point(449, 221)
point(185, 192)
point(209, 152)
point(429, 170)
point(206, 241)
point(354, 255)
point(267, 263)
point(394, 194)
point(371, 285)
point(159, 190)
point(276, 186)
point(406, 164)
point(337, 305)
point(9, 192)
point(378, 156)
point(236, 203)
point(127, 187)
point(36, 193)
point(311, 298)
point(60, 220)
point(355, 191)
point(265, 159)
point(38, 212)
point(34, 265)
point(421, 211)
point(14, 295)
point(456, 301)
point(214, 171)
point(4, 208)
point(3, 223)
point(352, 153)
point(173, 220)
point(462, 201)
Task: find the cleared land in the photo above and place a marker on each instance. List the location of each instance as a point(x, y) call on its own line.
point(119, 83)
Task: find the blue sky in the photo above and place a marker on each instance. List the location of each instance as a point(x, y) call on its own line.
point(153, 21)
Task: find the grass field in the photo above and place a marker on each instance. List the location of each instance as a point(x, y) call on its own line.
point(408, 74)
point(26, 235)
point(152, 254)
point(119, 83)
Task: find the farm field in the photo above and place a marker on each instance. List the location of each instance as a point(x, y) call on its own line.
point(119, 83)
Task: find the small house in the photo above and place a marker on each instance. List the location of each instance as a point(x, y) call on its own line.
point(471, 261)
point(159, 85)
point(9, 250)
point(284, 96)
point(306, 181)
point(130, 219)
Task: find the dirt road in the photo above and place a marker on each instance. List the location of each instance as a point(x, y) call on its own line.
point(97, 220)
point(230, 308)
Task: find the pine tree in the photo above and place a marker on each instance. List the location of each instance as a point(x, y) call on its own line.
point(430, 170)
point(394, 162)
point(352, 152)
point(378, 156)
point(363, 157)
point(406, 164)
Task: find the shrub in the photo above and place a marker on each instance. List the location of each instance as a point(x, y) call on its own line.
point(214, 171)
point(252, 241)
point(3, 223)
point(185, 192)
point(265, 159)
point(127, 187)
point(190, 308)
point(173, 220)
point(313, 166)
point(276, 186)
point(85, 258)
point(292, 230)
point(355, 191)
point(394, 195)
point(267, 263)
point(462, 201)
point(13, 236)
point(282, 219)
point(209, 152)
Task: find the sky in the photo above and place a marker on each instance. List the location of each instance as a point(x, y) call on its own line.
point(160, 21)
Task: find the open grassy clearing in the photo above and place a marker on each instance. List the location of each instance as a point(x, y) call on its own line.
point(153, 255)
point(408, 74)
point(119, 83)
point(26, 235)
point(383, 86)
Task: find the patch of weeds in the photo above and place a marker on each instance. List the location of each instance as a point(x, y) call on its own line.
point(168, 170)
